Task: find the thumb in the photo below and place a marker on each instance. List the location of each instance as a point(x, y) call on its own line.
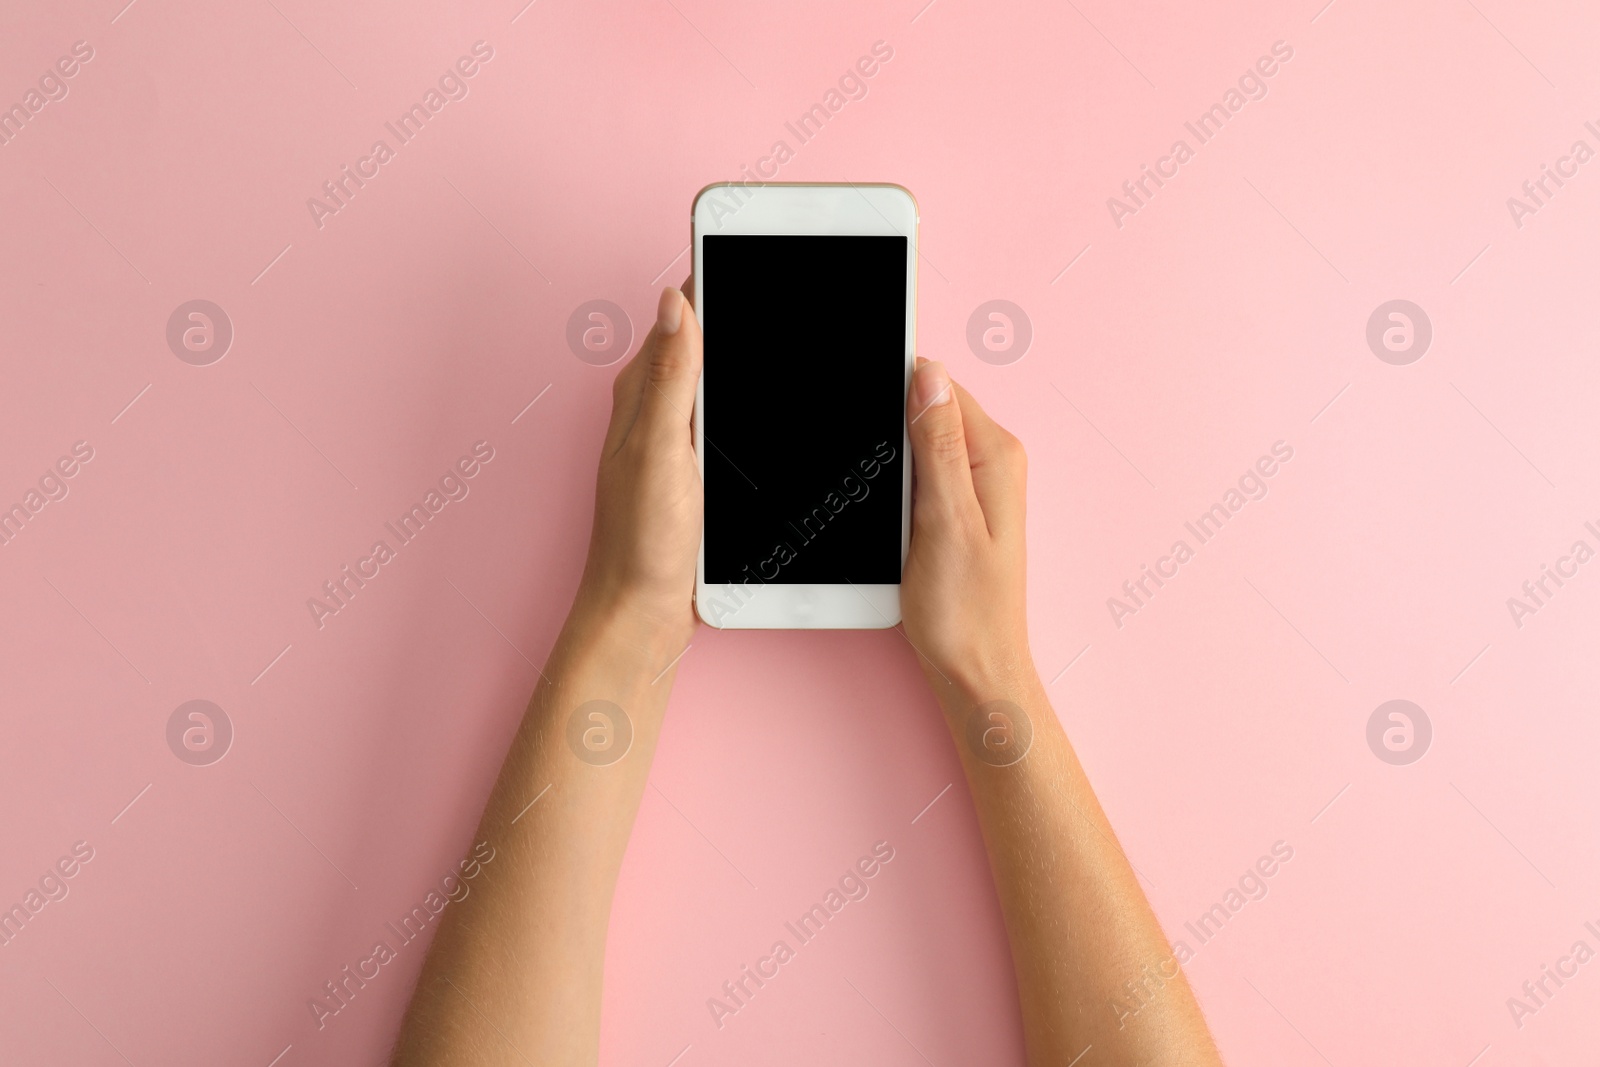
point(672, 371)
point(939, 443)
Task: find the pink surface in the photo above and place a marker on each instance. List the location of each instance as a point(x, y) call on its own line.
point(1227, 313)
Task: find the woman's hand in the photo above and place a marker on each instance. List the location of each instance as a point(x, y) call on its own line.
point(964, 597)
point(515, 972)
point(1082, 933)
point(647, 509)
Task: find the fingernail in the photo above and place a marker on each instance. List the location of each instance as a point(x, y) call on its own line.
point(669, 312)
point(933, 385)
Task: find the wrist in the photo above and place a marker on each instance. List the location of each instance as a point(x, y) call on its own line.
point(631, 632)
point(999, 716)
point(981, 676)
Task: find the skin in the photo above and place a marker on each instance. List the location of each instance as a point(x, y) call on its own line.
point(514, 975)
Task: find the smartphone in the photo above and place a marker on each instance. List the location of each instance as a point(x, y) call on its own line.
point(806, 295)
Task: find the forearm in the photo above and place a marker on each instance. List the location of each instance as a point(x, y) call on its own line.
point(1078, 923)
point(514, 975)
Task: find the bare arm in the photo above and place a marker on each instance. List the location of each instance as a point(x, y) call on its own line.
point(514, 974)
point(1078, 922)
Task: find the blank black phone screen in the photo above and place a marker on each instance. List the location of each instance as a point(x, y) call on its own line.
point(805, 349)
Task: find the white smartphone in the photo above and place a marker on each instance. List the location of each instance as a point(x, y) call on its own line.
point(807, 298)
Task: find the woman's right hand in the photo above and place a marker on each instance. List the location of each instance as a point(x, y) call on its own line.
point(964, 593)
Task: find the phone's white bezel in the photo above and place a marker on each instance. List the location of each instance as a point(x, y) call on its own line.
point(802, 209)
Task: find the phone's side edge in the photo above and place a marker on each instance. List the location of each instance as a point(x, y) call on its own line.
point(696, 417)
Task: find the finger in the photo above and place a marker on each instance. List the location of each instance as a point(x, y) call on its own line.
point(671, 371)
point(687, 289)
point(631, 383)
point(999, 466)
point(939, 444)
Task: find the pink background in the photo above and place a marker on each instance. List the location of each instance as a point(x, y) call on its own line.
point(1227, 314)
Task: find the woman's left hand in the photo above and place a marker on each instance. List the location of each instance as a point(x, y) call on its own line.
point(648, 499)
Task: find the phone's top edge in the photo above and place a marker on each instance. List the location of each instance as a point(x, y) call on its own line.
point(695, 203)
